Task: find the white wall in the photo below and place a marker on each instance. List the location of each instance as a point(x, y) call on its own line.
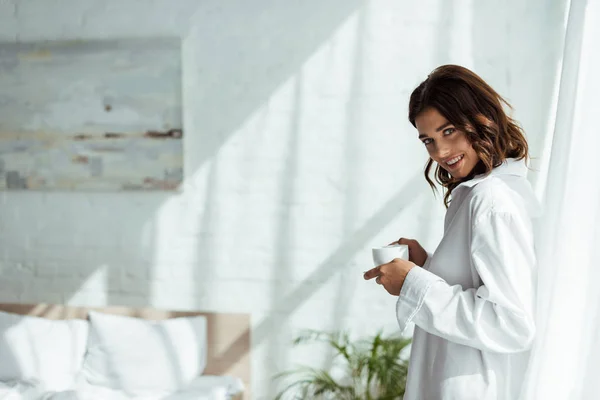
point(299, 158)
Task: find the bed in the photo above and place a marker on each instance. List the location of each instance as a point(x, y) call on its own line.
point(227, 351)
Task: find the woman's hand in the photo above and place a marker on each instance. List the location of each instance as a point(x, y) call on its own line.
point(391, 275)
point(416, 253)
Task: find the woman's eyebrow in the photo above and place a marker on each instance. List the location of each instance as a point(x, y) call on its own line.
point(443, 126)
point(422, 135)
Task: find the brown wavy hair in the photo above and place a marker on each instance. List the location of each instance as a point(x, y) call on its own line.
point(473, 107)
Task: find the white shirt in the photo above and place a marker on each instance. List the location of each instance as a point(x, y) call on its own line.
point(472, 302)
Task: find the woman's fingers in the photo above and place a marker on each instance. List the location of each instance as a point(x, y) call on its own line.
point(372, 273)
point(404, 241)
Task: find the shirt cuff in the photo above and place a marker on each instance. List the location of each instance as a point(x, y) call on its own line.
point(415, 287)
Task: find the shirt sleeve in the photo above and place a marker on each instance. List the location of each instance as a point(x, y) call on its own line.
point(498, 315)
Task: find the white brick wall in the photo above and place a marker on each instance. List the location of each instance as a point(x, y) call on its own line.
point(298, 154)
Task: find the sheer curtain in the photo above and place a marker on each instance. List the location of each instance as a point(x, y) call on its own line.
point(566, 356)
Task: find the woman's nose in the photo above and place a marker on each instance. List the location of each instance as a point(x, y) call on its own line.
point(443, 152)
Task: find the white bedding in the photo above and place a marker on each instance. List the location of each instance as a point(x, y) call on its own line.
point(202, 388)
point(19, 390)
point(41, 350)
point(144, 357)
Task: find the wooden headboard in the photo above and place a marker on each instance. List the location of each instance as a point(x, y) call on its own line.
point(228, 334)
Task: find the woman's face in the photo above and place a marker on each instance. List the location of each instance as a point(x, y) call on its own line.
point(447, 146)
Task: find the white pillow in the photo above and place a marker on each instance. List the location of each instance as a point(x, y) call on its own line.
point(41, 350)
point(144, 357)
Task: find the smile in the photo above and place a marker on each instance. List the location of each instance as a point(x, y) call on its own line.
point(454, 160)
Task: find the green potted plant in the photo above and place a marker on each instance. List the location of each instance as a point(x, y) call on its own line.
point(373, 369)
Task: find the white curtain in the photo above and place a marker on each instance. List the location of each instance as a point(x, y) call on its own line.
point(566, 357)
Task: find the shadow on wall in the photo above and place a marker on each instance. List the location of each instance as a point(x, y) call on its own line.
point(246, 51)
point(73, 246)
point(330, 267)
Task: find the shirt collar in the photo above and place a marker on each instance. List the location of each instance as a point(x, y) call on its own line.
point(510, 166)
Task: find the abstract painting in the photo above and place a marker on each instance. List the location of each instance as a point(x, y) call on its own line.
point(91, 115)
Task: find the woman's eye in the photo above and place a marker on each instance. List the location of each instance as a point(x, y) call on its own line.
point(427, 141)
point(449, 131)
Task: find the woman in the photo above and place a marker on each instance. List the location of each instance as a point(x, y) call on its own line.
point(472, 300)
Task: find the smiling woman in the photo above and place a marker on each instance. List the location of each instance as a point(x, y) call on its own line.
point(471, 301)
point(461, 121)
point(447, 146)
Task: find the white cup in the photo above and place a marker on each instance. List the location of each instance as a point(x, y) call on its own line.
point(384, 255)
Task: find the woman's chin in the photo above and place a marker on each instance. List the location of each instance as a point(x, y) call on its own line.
point(462, 171)
point(453, 174)
point(457, 175)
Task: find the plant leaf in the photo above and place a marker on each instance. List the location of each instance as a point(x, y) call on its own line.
point(374, 368)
